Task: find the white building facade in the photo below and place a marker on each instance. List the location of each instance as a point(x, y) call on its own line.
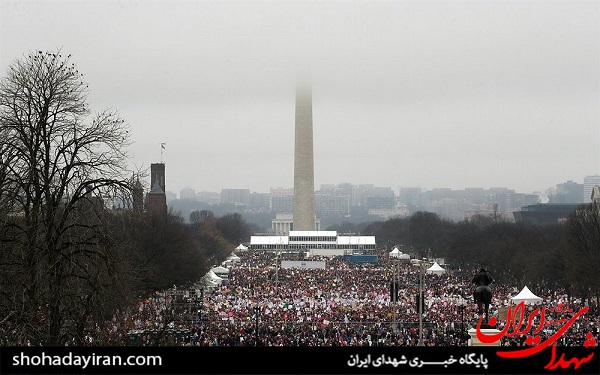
point(588, 185)
point(312, 243)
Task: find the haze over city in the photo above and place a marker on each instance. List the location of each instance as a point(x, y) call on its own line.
point(405, 93)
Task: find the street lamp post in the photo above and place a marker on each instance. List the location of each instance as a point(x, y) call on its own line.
point(461, 308)
point(277, 273)
point(256, 311)
point(394, 294)
point(421, 287)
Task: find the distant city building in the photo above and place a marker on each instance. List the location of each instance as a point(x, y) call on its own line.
point(260, 202)
point(282, 201)
point(335, 201)
point(588, 185)
point(500, 200)
point(281, 191)
point(235, 196)
point(282, 204)
point(331, 205)
point(568, 192)
point(209, 197)
point(380, 203)
point(459, 205)
point(544, 213)
point(352, 191)
point(479, 196)
point(187, 193)
point(386, 214)
point(410, 197)
point(328, 189)
point(438, 194)
point(372, 196)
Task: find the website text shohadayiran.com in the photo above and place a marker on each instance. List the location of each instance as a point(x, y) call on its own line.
point(83, 361)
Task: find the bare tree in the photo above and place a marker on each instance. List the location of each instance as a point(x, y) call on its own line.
point(197, 216)
point(59, 164)
point(233, 227)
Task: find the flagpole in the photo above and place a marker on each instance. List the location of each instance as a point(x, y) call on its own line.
point(162, 147)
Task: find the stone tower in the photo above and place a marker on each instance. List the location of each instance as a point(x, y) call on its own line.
point(157, 199)
point(304, 179)
point(157, 175)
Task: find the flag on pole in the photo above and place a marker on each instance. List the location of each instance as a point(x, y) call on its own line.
point(162, 145)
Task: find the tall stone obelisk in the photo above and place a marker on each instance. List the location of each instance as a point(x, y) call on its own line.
point(304, 179)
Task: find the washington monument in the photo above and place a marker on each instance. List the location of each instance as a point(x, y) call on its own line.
point(304, 179)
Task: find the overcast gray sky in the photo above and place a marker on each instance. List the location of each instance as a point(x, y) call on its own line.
point(422, 93)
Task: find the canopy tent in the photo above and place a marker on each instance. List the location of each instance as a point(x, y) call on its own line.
point(231, 260)
point(220, 270)
point(403, 256)
point(213, 276)
point(436, 269)
point(398, 254)
point(212, 279)
point(527, 296)
point(241, 247)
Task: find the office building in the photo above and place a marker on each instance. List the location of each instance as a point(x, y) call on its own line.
point(588, 185)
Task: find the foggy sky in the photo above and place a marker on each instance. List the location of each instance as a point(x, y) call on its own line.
point(427, 94)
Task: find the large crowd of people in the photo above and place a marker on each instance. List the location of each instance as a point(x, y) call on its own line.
point(343, 304)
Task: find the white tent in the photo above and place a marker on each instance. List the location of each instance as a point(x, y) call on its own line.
point(213, 276)
point(436, 269)
point(398, 254)
point(212, 279)
point(220, 271)
point(241, 247)
point(231, 260)
point(526, 295)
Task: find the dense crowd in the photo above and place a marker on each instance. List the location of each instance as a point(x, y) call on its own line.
point(344, 304)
